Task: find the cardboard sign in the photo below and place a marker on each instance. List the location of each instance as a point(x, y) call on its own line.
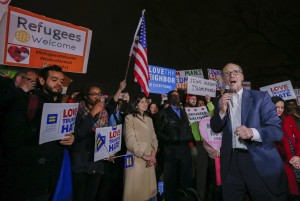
point(213, 139)
point(216, 75)
point(202, 87)
point(181, 77)
point(107, 141)
point(31, 40)
point(162, 80)
point(196, 113)
point(246, 85)
point(3, 7)
point(282, 89)
point(58, 119)
point(297, 93)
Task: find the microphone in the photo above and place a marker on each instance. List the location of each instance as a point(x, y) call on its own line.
point(227, 90)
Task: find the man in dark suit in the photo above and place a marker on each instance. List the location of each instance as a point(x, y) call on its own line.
point(249, 161)
point(173, 130)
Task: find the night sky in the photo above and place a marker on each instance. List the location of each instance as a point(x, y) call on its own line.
point(261, 36)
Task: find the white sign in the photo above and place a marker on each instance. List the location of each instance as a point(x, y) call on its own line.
point(107, 141)
point(297, 93)
point(3, 7)
point(216, 75)
point(202, 87)
point(196, 113)
point(282, 89)
point(181, 77)
point(58, 119)
point(246, 85)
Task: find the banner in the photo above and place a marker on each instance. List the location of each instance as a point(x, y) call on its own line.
point(107, 141)
point(282, 89)
point(162, 80)
point(181, 77)
point(32, 40)
point(216, 75)
point(58, 119)
point(196, 113)
point(213, 139)
point(202, 87)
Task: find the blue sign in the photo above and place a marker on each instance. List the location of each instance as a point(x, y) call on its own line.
point(162, 80)
point(52, 119)
point(128, 161)
point(100, 141)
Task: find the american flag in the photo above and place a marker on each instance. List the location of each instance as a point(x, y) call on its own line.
point(141, 69)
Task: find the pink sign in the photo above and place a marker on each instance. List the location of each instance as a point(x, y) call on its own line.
point(213, 139)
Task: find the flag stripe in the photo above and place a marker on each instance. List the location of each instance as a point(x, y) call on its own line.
point(141, 69)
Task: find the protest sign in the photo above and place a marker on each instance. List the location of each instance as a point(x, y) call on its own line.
point(213, 139)
point(199, 86)
point(196, 113)
point(246, 85)
point(31, 40)
point(3, 7)
point(107, 141)
point(58, 119)
point(181, 77)
point(162, 80)
point(216, 75)
point(282, 89)
point(297, 94)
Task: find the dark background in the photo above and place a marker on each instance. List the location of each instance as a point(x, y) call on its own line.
point(261, 36)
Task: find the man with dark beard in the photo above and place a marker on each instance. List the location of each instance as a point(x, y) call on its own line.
point(173, 131)
point(30, 170)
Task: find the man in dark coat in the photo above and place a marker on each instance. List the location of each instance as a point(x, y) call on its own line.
point(174, 133)
point(30, 170)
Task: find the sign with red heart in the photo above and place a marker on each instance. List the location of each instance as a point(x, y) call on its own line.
point(213, 139)
point(32, 40)
point(18, 53)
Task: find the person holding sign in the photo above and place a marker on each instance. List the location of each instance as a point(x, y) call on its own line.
point(140, 138)
point(91, 115)
point(250, 126)
point(31, 171)
point(289, 148)
point(199, 155)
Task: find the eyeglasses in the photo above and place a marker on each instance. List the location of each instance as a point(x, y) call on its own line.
point(29, 79)
point(233, 72)
point(95, 95)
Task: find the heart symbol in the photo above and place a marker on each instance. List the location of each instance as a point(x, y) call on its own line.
point(18, 54)
point(213, 139)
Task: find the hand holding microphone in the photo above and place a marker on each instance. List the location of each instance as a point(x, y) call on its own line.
point(225, 100)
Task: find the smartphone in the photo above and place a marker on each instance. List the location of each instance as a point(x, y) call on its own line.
point(103, 99)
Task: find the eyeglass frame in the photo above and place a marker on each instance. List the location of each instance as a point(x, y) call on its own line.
point(29, 79)
point(233, 72)
point(95, 95)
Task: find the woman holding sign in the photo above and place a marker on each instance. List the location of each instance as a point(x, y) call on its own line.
point(289, 149)
point(140, 138)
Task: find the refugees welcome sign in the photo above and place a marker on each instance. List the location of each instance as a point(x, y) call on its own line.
point(30, 40)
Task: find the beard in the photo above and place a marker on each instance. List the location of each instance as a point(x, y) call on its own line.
point(50, 91)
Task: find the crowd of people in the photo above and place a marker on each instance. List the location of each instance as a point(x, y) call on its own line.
point(259, 156)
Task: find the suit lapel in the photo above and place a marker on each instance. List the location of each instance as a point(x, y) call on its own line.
point(246, 105)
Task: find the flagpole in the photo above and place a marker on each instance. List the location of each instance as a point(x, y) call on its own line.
point(132, 45)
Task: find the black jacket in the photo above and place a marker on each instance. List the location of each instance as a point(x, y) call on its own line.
point(29, 169)
point(170, 129)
